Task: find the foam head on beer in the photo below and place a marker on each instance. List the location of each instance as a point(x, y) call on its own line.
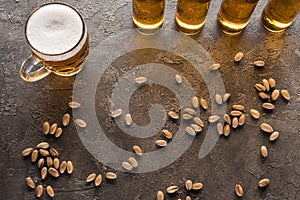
point(54, 29)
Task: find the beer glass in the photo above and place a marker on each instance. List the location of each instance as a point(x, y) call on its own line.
point(278, 15)
point(148, 15)
point(234, 15)
point(58, 39)
point(191, 15)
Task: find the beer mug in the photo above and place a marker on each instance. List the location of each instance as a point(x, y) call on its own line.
point(148, 16)
point(191, 15)
point(58, 38)
point(234, 15)
point(278, 15)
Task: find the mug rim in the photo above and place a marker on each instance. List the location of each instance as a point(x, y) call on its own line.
point(69, 50)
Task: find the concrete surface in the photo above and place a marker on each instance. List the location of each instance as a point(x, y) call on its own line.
point(25, 106)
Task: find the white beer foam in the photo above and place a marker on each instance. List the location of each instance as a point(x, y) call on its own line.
point(54, 29)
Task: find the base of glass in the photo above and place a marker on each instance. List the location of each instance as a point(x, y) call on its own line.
point(70, 74)
point(230, 27)
point(187, 28)
point(148, 29)
point(273, 25)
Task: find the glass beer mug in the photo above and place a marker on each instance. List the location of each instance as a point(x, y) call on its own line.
point(58, 39)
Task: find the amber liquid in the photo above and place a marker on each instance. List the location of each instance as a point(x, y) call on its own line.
point(70, 66)
point(148, 14)
point(278, 15)
point(191, 15)
point(234, 15)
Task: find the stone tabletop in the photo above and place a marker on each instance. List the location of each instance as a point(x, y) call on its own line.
point(234, 159)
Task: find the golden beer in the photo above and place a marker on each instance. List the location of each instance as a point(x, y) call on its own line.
point(58, 38)
point(69, 66)
point(234, 15)
point(278, 15)
point(190, 15)
point(148, 14)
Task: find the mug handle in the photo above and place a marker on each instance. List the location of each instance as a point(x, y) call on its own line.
point(33, 70)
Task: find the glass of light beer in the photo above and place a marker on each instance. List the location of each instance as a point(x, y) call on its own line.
point(234, 15)
point(58, 38)
point(191, 15)
point(278, 15)
point(148, 15)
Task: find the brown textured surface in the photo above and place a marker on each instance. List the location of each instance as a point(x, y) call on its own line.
point(24, 106)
